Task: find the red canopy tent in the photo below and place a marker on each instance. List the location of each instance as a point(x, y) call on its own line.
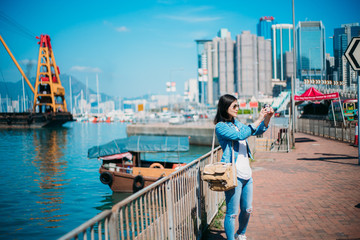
point(312, 94)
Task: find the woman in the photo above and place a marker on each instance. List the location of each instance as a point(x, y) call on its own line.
point(231, 132)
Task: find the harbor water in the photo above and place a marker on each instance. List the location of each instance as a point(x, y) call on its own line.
point(49, 186)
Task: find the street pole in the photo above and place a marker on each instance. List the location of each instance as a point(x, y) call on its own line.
point(309, 65)
point(293, 81)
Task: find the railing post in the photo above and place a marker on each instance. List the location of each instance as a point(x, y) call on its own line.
point(114, 226)
point(170, 209)
point(198, 193)
point(302, 125)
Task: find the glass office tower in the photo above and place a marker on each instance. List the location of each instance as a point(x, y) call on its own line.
point(282, 42)
point(264, 27)
point(202, 60)
point(341, 39)
point(311, 61)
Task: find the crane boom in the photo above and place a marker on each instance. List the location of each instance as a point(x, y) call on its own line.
point(17, 64)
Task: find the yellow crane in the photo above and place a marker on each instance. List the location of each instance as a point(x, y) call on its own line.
point(48, 90)
point(49, 94)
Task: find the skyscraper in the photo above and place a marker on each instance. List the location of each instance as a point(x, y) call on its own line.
point(224, 33)
point(330, 63)
point(282, 42)
point(234, 67)
point(341, 39)
point(264, 66)
point(202, 59)
point(192, 90)
point(226, 65)
point(311, 62)
point(252, 65)
point(215, 69)
point(246, 65)
point(264, 27)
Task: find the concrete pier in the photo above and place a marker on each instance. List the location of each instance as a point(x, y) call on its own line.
point(199, 133)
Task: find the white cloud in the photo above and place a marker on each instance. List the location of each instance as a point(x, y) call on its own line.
point(117, 29)
point(122, 29)
point(85, 69)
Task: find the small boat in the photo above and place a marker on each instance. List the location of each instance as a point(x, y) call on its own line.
point(130, 164)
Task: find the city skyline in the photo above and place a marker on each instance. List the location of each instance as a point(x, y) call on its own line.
point(136, 48)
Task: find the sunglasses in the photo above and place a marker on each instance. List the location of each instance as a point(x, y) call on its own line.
point(235, 106)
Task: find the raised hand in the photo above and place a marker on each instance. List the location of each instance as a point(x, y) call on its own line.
point(270, 112)
point(263, 113)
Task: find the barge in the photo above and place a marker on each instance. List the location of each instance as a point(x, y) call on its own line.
point(49, 106)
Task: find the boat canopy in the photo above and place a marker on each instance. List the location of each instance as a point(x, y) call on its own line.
point(116, 146)
point(141, 143)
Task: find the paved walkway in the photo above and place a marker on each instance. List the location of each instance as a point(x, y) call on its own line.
point(309, 193)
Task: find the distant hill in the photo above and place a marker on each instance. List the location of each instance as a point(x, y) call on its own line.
point(14, 90)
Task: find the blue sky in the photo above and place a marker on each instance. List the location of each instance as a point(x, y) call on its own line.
point(135, 47)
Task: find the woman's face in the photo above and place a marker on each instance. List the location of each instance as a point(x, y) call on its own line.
point(233, 109)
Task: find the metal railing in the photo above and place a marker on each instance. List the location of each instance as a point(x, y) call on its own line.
point(325, 128)
point(179, 206)
point(276, 138)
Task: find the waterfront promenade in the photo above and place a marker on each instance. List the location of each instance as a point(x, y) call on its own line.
point(308, 193)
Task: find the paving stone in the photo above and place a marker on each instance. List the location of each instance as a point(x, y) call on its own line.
point(308, 193)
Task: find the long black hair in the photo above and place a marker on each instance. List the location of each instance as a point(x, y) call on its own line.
point(224, 103)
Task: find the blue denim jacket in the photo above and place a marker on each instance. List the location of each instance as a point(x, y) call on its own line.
point(227, 133)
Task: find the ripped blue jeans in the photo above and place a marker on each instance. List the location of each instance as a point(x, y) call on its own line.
point(239, 197)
